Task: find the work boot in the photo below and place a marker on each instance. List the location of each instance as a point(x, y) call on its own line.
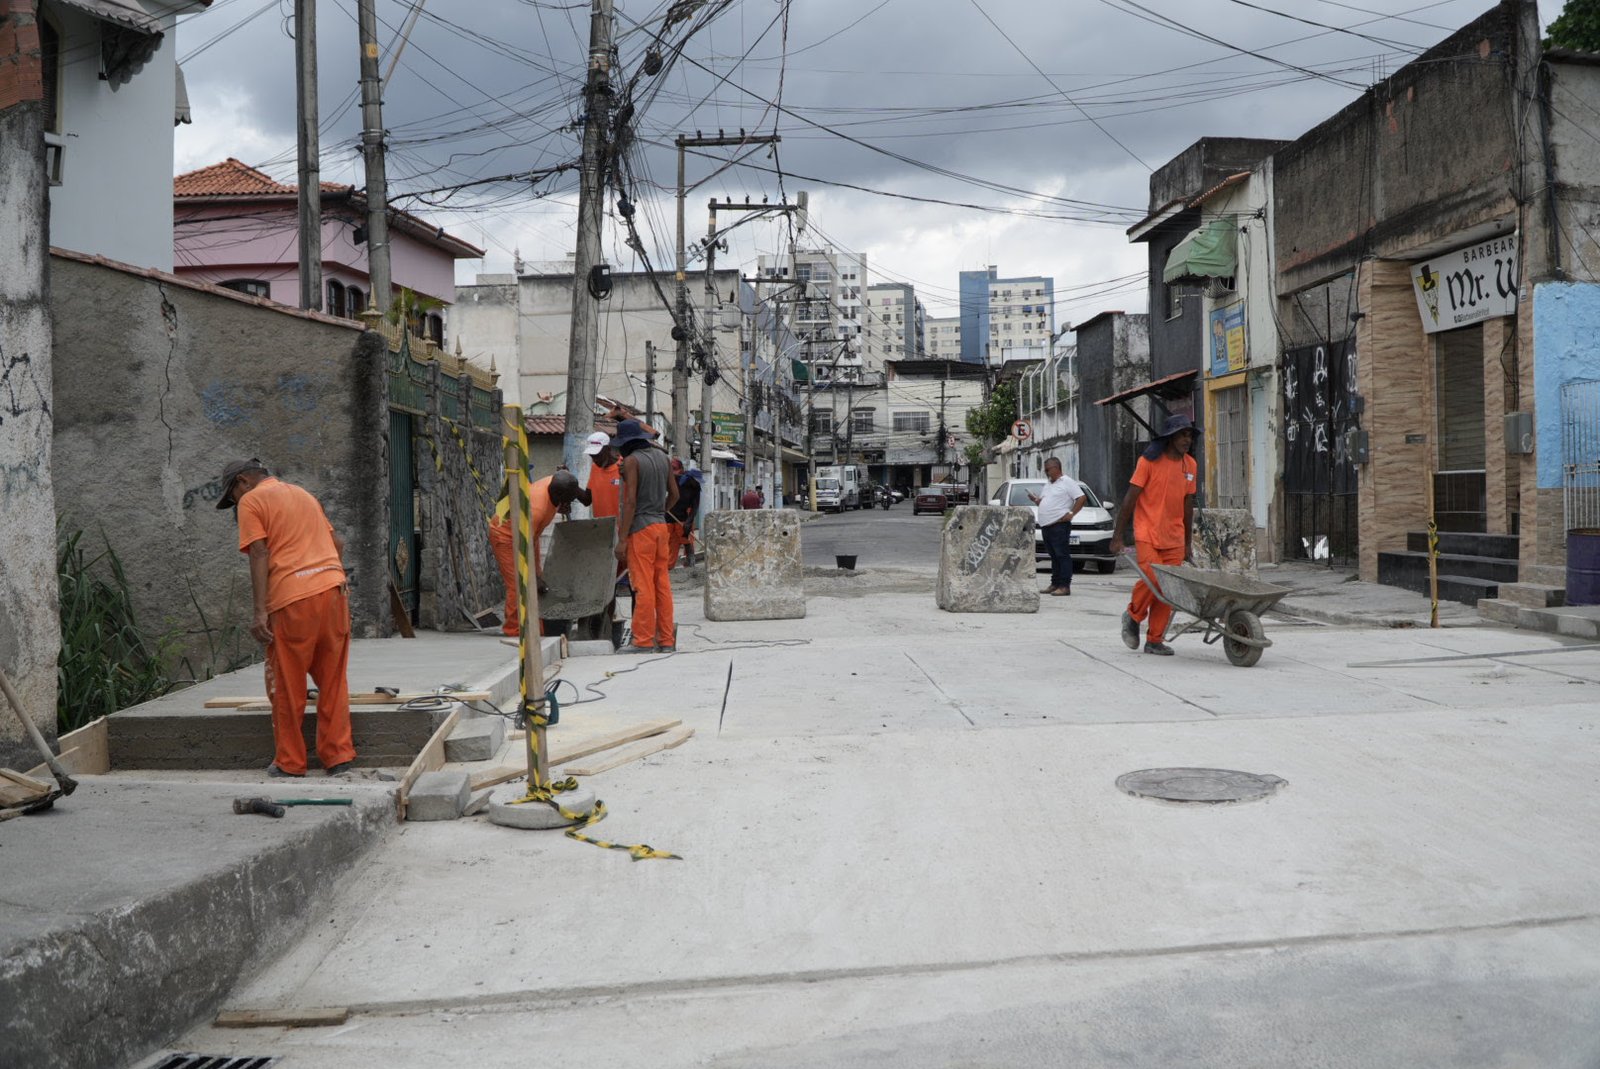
point(1130, 631)
point(341, 768)
point(277, 773)
point(1160, 649)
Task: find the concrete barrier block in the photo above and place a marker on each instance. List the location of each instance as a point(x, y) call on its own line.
point(753, 566)
point(438, 796)
point(1225, 541)
point(986, 561)
point(478, 739)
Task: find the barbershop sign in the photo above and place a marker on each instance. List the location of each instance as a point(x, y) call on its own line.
point(1469, 285)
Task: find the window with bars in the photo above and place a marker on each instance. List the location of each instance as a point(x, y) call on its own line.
point(912, 422)
point(863, 421)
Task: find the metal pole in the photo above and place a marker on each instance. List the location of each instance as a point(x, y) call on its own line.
point(680, 368)
point(372, 152)
point(583, 366)
point(307, 146)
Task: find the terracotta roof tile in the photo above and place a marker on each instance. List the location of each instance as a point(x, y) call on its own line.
point(233, 178)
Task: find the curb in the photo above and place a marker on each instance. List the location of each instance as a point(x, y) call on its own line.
point(111, 986)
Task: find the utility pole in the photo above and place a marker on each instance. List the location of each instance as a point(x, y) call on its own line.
point(583, 365)
point(650, 382)
point(680, 368)
point(372, 151)
point(708, 384)
point(748, 367)
point(307, 145)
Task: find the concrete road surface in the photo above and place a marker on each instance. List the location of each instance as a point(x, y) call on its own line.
point(903, 845)
point(880, 538)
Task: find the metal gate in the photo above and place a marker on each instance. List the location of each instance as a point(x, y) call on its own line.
point(1319, 479)
point(1580, 455)
point(403, 563)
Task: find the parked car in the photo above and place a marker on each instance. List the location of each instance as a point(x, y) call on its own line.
point(1091, 527)
point(930, 499)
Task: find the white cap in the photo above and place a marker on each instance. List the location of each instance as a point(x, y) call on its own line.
point(597, 441)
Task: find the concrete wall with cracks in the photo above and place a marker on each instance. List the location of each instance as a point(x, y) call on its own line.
point(160, 383)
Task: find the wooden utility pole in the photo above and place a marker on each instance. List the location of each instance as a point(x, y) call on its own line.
point(372, 152)
point(527, 582)
point(583, 364)
point(308, 148)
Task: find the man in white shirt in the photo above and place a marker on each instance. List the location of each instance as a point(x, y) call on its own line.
point(1060, 501)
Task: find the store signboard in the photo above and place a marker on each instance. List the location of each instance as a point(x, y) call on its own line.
point(1468, 285)
point(729, 428)
point(1227, 340)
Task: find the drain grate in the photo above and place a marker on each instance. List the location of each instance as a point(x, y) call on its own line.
point(213, 1061)
point(1202, 785)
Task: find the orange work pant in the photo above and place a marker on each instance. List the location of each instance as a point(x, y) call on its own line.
point(649, 557)
point(1143, 603)
point(505, 555)
point(677, 541)
point(310, 636)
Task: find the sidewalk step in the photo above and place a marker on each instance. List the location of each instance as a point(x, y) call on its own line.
point(1466, 543)
point(1404, 568)
point(1533, 595)
point(1576, 621)
point(1547, 574)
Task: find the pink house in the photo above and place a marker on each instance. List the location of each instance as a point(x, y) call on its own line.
point(236, 227)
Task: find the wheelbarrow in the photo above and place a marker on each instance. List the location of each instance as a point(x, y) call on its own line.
point(1227, 607)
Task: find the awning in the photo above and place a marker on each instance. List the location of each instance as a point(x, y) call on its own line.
point(122, 12)
point(727, 456)
point(181, 112)
point(1168, 388)
point(1212, 251)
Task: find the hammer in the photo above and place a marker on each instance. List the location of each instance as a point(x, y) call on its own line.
point(269, 808)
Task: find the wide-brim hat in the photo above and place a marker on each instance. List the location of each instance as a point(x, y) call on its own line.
point(230, 473)
point(1174, 424)
point(629, 430)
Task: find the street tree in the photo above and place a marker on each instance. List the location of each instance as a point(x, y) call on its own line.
point(1577, 27)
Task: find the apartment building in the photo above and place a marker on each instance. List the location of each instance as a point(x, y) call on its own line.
point(894, 323)
point(1005, 317)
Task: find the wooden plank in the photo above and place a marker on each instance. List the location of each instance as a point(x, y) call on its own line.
point(28, 783)
point(430, 759)
point(397, 609)
point(91, 745)
point(562, 751)
point(623, 755)
point(364, 698)
point(303, 1017)
point(12, 794)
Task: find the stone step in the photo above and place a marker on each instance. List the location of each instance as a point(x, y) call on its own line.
point(1546, 574)
point(476, 739)
point(1466, 543)
point(1582, 622)
point(1405, 567)
point(228, 738)
point(1533, 595)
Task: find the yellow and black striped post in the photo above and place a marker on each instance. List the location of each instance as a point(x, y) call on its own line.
point(533, 697)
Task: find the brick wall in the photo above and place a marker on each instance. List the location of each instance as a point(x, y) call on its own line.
point(21, 68)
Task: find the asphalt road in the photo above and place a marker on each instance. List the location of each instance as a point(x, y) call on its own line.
point(878, 537)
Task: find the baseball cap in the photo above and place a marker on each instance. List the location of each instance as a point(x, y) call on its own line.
point(232, 471)
point(597, 441)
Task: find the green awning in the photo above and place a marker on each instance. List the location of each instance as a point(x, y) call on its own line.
point(1210, 252)
point(802, 374)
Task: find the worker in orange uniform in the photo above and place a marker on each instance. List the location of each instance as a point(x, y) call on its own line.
point(1160, 499)
point(301, 613)
point(546, 498)
point(603, 495)
point(644, 540)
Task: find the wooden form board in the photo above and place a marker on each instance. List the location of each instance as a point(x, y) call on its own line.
point(355, 699)
point(562, 751)
point(430, 759)
point(84, 752)
point(18, 789)
point(308, 1017)
point(622, 755)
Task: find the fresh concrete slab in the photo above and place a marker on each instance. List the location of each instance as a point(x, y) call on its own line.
point(441, 795)
point(590, 647)
point(132, 907)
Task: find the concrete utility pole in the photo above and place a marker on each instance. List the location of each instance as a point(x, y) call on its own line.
point(308, 146)
point(650, 382)
point(680, 368)
point(372, 152)
point(583, 366)
point(708, 383)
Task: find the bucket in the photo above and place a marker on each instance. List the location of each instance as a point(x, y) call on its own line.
point(847, 561)
point(1583, 567)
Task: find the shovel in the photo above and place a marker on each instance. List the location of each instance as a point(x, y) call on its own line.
point(66, 782)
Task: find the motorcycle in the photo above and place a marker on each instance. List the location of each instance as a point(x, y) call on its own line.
point(885, 498)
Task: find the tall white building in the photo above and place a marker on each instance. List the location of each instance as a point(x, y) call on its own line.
point(894, 323)
point(943, 337)
point(1006, 318)
point(824, 308)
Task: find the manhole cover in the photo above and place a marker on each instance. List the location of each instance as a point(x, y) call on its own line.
point(1198, 784)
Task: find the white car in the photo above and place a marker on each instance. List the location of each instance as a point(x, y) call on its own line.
point(1091, 527)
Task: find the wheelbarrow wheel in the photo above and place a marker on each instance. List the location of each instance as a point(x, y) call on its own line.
point(1246, 625)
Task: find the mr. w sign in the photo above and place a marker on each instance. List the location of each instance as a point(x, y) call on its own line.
point(1467, 286)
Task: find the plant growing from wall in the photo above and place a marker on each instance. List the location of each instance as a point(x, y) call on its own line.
point(1577, 27)
point(992, 420)
point(106, 663)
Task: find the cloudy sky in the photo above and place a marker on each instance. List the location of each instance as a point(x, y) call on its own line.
point(933, 135)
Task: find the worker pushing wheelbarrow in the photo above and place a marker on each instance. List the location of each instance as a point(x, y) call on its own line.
point(1227, 607)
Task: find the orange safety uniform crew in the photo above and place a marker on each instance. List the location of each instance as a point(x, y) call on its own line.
point(1160, 499)
point(301, 613)
point(645, 537)
point(546, 497)
point(603, 495)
